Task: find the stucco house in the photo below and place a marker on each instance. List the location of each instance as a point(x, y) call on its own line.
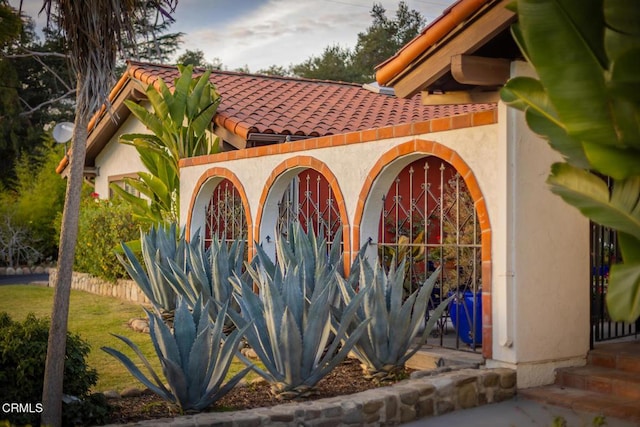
point(442, 170)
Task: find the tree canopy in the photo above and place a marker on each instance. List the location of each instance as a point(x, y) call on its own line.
point(380, 41)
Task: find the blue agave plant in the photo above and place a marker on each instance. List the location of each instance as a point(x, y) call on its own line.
point(389, 339)
point(195, 357)
point(289, 322)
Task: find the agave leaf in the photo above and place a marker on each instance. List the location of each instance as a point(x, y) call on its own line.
point(144, 361)
point(394, 286)
point(133, 369)
point(162, 339)
point(433, 318)
point(329, 362)
point(291, 349)
point(184, 331)
point(177, 381)
point(226, 388)
point(316, 332)
point(199, 361)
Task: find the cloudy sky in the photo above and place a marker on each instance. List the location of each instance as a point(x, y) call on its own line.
point(260, 33)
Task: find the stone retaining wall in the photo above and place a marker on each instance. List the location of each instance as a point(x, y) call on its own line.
point(403, 402)
point(123, 289)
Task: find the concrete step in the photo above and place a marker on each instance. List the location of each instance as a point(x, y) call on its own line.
point(624, 356)
point(601, 380)
point(585, 400)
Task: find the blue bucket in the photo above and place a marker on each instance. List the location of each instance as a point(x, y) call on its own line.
point(461, 312)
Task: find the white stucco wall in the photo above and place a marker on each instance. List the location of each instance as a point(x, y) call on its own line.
point(540, 260)
point(118, 159)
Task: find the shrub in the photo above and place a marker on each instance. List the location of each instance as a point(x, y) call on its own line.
point(23, 350)
point(103, 225)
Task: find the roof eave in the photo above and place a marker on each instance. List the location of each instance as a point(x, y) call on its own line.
point(428, 57)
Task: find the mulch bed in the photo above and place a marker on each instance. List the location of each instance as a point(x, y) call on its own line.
point(344, 379)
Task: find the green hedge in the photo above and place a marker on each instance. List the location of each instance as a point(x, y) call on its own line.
point(103, 225)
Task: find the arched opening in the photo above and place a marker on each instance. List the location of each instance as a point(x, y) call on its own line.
point(225, 218)
point(219, 209)
point(309, 200)
point(366, 227)
point(305, 190)
point(428, 219)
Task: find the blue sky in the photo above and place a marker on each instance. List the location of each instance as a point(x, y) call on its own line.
point(260, 33)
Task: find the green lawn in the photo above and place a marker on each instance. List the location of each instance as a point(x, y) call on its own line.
point(94, 318)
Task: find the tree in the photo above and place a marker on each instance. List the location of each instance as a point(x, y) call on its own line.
point(179, 122)
point(37, 89)
point(192, 57)
point(586, 103)
point(380, 41)
point(333, 64)
point(94, 32)
point(275, 70)
point(152, 41)
point(39, 195)
point(384, 38)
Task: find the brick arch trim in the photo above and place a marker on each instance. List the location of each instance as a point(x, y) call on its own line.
point(308, 162)
point(432, 148)
point(219, 172)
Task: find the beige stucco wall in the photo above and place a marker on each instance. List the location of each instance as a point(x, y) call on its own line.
point(540, 260)
point(118, 159)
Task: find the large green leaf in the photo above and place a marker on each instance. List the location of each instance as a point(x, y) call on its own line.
point(528, 94)
point(590, 194)
point(197, 93)
point(562, 32)
point(623, 295)
point(178, 106)
point(152, 122)
point(617, 162)
point(159, 105)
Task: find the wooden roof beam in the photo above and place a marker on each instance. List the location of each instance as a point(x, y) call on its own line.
point(479, 71)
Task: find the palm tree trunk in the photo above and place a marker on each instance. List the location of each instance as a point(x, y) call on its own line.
point(54, 367)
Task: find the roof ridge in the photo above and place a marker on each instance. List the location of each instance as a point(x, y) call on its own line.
point(239, 73)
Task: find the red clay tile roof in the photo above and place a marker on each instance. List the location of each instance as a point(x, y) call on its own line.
point(286, 106)
point(291, 106)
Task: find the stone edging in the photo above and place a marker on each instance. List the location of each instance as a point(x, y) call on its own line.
point(19, 271)
point(403, 402)
point(124, 289)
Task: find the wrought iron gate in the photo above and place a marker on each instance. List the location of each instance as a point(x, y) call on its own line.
point(309, 199)
point(605, 253)
point(430, 220)
point(225, 216)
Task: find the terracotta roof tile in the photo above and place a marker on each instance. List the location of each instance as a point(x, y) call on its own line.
point(282, 105)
